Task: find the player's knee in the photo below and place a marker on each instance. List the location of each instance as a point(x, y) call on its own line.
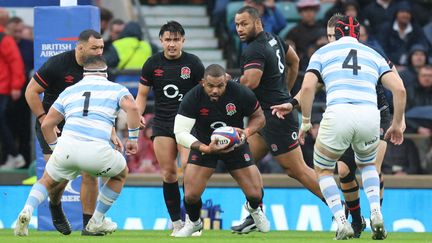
point(348, 177)
point(191, 197)
point(169, 175)
point(343, 170)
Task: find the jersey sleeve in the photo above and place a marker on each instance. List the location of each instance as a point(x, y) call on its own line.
point(46, 74)
point(249, 101)
point(315, 66)
point(122, 93)
point(253, 58)
point(147, 73)
point(383, 66)
point(189, 105)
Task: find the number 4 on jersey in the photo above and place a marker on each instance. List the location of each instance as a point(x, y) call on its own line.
point(355, 67)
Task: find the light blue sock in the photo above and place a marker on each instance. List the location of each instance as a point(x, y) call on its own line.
point(371, 185)
point(331, 194)
point(37, 195)
point(104, 202)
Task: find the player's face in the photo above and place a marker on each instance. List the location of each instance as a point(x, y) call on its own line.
point(245, 26)
point(93, 47)
point(214, 87)
point(172, 44)
point(331, 34)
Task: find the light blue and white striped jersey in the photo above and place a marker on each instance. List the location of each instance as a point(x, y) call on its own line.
point(350, 71)
point(90, 107)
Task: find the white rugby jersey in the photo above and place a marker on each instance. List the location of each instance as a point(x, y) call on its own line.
point(90, 107)
point(350, 71)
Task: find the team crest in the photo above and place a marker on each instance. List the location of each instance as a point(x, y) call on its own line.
point(231, 109)
point(247, 157)
point(274, 147)
point(185, 73)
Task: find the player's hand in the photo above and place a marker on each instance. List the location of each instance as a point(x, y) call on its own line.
point(57, 130)
point(281, 110)
point(117, 143)
point(395, 133)
point(243, 135)
point(304, 128)
point(142, 123)
point(215, 148)
point(15, 94)
point(131, 147)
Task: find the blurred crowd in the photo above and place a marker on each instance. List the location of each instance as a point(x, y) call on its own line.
point(401, 29)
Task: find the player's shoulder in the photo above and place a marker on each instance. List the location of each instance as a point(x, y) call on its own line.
point(154, 59)
point(191, 58)
point(237, 89)
point(64, 57)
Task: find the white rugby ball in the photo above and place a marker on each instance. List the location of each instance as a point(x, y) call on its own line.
point(226, 135)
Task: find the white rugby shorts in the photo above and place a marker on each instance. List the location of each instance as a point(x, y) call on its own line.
point(73, 155)
point(346, 124)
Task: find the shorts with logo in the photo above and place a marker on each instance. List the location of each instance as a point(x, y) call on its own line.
point(348, 156)
point(346, 124)
point(281, 135)
point(73, 155)
point(240, 157)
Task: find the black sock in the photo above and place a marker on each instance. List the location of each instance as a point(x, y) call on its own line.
point(86, 219)
point(381, 188)
point(354, 208)
point(171, 193)
point(193, 210)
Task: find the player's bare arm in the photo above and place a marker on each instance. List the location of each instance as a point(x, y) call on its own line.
point(395, 85)
point(251, 78)
point(32, 93)
point(307, 96)
point(292, 61)
point(49, 124)
point(128, 104)
point(141, 101)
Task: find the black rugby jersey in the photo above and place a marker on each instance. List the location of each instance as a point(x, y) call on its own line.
point(267, 53)
point(171, 80)
point(236, 103)
point(56, 74)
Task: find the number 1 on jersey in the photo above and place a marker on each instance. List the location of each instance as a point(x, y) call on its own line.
point(355, 67)
point(86, 103)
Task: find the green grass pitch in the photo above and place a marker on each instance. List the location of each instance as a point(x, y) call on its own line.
point(211, 236)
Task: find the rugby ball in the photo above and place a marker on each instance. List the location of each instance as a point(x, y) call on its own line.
point(226, 135)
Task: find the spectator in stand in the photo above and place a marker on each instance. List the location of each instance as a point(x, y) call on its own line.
point(427, 29)
point(130, 51)
point(398, 36)
point(352, 8)
point(105, 18)
point(115, 28)
point(402, 159)
point(305, 33)
point(145, 160)
point(18, 111)
point(417, 58)
point(11, 82)
point(369, 40)
point(378, 13)
point(420, 94)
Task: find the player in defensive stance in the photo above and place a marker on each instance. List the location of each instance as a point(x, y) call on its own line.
point(350, 72)
point(89, 108)
point(215, 103)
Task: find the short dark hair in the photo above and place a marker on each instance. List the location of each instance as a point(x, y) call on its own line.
point(95, 62)
point(172, 27)
point(85, 35)
point(214, 70)
point(253, 12)
point(15, 20)
point(116, 21)
point(333, 19)
point(105, 14)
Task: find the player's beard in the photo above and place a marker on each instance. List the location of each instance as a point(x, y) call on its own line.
point(252, 34)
